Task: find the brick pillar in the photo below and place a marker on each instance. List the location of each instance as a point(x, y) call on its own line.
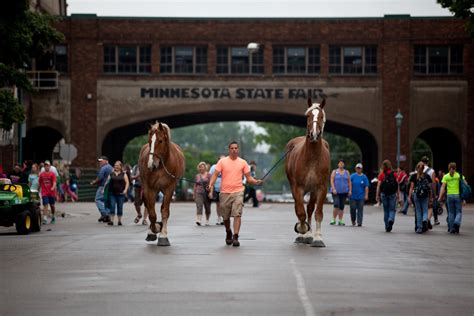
point(396, 58)
point(468, 144)
point(85, 54)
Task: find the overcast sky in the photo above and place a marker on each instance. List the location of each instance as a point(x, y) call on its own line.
point(257, 8)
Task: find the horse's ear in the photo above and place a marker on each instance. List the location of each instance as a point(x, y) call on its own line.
point(160, 126)
point(310, 102)
point(322, 104)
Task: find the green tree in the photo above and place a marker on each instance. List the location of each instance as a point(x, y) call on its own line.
point(462, 9)
point(23, 35)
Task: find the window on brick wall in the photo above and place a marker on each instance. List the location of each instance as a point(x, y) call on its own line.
point(183, 60)
point(238, 60)
point(127, 59)
point(296, 60)
point(438, 60)
point(60, 58)
point(353, 60)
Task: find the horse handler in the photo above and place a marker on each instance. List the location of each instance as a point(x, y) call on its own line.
point(232, 169)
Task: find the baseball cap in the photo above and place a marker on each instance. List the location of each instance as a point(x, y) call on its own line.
point(359, 165)
point(47, 162)
point(101, 158)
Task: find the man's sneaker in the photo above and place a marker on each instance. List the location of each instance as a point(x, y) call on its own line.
point(341, 223)
point(456, 228)
point(333, 222)
point(436, 222)
point(235, 241)
point(101, 219)
point(45, 220)
point(53, 220)
point(353, 223)
point(389, 227)
point(430, 227)
point(425, 226)
point(419, 231)
point(228, 237)
point(107, 219)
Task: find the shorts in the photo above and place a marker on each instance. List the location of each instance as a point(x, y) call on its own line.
point(339, 200)
point(231, 204)
point(48, 200)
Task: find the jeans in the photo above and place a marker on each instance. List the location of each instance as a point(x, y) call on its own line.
point(389, 203)
point(357, 205)
point(454, 206)
point(339, 200)
point(405, 202)
point(116, 200)
point(421, 210)
point(100, 201)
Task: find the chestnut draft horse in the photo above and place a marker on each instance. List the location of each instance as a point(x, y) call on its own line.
point(307, 168)
point(161, 165)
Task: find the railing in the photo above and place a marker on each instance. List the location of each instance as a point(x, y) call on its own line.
point(43, 80)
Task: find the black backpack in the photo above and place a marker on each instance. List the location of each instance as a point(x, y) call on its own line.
point(422, 187)
point(389, 184)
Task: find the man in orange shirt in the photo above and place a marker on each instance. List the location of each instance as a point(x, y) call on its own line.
point(231, 197)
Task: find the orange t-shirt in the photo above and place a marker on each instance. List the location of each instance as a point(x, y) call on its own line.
point(232, 172)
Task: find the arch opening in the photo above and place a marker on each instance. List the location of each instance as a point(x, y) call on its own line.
point(39, 143)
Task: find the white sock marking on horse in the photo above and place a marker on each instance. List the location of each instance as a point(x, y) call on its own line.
point(152, 151)
point(301, 288)
point(317, 234)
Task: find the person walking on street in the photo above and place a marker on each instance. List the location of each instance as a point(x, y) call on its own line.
point(118, 188)
point(250, 191)
point(451, 186)
point(200, 196)
point(217, 190)
point(138, 196)
point(420, 189)
point(360, 194)
point(232, 169)
point(104, 171)
point(341, 188)
point(387, 190)
point(47, 184)
point(402, 180)
point(432, 174)
point(33, 178)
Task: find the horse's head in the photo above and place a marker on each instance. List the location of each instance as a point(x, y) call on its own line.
point(316, 118)
point(158, 140)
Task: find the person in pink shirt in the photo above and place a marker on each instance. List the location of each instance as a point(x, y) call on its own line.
point(232, 169)
point(47, 184)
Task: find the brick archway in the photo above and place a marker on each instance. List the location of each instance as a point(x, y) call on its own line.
point(39, 143)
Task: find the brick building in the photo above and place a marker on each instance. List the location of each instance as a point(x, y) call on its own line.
point(117, 74)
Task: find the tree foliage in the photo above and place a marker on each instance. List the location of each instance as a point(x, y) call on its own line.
point(462, 9)
point(24, 35)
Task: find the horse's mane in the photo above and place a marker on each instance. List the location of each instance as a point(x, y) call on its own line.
point(314, 107)
point(165, 126)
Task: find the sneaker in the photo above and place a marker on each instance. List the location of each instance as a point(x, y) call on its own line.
point(228, 237)
point(419, 231)
point(107, 219)
point(101, 219)
point(341, 223)
point(456, 228)
point(333, 222)
point(353, 223)
point(430, 227)
point(207, 223)
point(110, 223)
point(45, 221)
point(389, 227)
point(53, 220)
point(425, 226)
point(235, 241)
point(436, 222)
point(359, 224)
point(198, 223)
point(119, 223)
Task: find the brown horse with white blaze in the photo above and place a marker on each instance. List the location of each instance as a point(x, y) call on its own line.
point(161, 165)
point(307, 168)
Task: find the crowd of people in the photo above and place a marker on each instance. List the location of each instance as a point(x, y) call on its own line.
point(230, 182)
point(51, 182)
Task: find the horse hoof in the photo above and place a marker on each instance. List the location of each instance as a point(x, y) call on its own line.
point(318, 243)
point(151, 237)
point(164, 242)
point(299, 240)
point(308, 240)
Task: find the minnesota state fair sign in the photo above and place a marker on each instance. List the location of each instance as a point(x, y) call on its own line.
point(230, 93)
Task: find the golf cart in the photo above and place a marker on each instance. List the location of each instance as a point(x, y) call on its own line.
point(19, 206)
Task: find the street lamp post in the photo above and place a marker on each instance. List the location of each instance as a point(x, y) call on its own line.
point(398, 120)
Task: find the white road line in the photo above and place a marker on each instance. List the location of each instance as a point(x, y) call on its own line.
point(301, 288)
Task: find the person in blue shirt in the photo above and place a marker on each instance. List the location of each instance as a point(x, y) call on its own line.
point(340, 188)
point(102, 175)
point(360, 193)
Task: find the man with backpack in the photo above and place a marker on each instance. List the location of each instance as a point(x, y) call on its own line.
point(387, 191)
point(432, 174)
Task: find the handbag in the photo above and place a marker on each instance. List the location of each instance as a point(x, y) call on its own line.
point(465, 191)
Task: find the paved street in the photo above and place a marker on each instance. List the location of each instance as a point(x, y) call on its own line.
point(81, 267)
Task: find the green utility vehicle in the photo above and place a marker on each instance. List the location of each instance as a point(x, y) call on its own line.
point(19, 206)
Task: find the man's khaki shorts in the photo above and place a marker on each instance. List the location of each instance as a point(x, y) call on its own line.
point(231, 204)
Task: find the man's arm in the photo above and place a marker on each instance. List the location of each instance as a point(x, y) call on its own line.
point(252, 180)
